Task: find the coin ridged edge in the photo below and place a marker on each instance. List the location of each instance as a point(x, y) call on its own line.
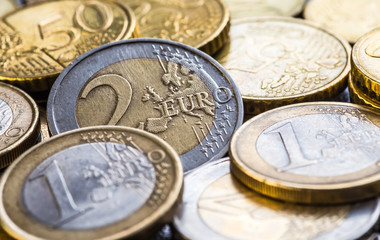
point(359, 97)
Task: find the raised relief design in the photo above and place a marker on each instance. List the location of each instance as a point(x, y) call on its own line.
point(6, 117)
point(250, 216)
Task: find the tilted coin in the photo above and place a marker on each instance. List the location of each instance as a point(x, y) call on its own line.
point(7, 6)
point(278, 61)
point(216, 206)
point(323, 152)
point(103, 182)
point(250, 8)
point(359, 97)
point(19, 123)
point(202, 24)
point(172, 90)
point(350, 19)
point(45, 134)
point(39, 41)
point(366, 64)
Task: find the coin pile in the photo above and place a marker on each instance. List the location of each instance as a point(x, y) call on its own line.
point(117, 116)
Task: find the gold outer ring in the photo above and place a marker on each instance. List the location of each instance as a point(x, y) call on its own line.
point(301, 192)
point(44, 82)
point(142, 230)
point(358, 97)
point(29, 138)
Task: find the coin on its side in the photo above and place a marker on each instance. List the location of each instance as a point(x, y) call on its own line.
point(251, 8)
point(202, 24)
point(357, 96)
point(40, 40)
point(217, 206)
point(323, 152)
point(45, 133)
point(19, 123)
point(277, 61)
point(104, 182)
point(350, 19)
point(172, 90)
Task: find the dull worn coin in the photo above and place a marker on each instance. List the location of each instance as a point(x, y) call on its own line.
point(172, 90)
point(323, 152)
point(217, 206)
point(105, 182)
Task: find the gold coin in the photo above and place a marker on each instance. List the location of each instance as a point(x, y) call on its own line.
point(250, 8)
point(40, 40)
point(278, 61)
point(19, 123)
point(102, 182)
point(203, 24)
point(322, 153)
point(350, 19)
point(4, 236)
point(366, 64)
point(7, 6)
point(358, 97)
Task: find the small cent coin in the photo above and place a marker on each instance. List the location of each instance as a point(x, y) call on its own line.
point(250, 8)
point(322, 153)
point(350, 19)
point(172, 90)
point(217, 206)
point(19, 123)
point(40, 40)
point(202, 24)
point(278, 61)
point(104, 182)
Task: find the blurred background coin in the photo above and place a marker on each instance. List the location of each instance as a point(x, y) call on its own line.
point(19, 123)
point(217, 206)
point(102, 182)
point(278, 61)
point(321, 153)
point(39, 41)
point(7, 6)
point(172, 90)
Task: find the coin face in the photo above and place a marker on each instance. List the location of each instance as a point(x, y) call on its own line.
point(40, 40)
point(350, 19)
point(202, 24)
point(278, 61)
point(250, 8)
point(217, 206)
point(163, 87)
point(98, 183)
point(324, 152)
point(19, 123)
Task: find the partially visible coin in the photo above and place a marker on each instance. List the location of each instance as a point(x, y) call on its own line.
point(19, 123)
point(45, 134)
point(7, 6)
point(359, 97)
point(216, 206)
point(350, 19)
point(202, 24)
point(278, 61)
point(251, 8)
point(98, 183)
point(172, 90)
point(38, 41)
point(323, 152)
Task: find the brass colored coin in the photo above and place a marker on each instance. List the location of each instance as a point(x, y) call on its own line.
point(40, 40)
point(278, 61)
point(19, 123)
point(251, 8)
point(102, 182)
point(358, 97)
point(366, 64)
point(350, 19)
point(7, 6)
point(202, 24)
point(217, 206)
point(4, 236)
point(322, 153)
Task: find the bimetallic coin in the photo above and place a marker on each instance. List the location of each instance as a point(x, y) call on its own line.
point(278, 61)
point(19, 123)
point(7, 6)
point(323, 152)
point(350, 19)
point(251, 8)
point(366, 64)
point(166, 88)
point(40, 40)
point(216, 206)
point(103, 182)
point(357, 96)
point(202, 24)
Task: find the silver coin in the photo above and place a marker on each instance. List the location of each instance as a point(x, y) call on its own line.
point(167, 88)
point(216, 206)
